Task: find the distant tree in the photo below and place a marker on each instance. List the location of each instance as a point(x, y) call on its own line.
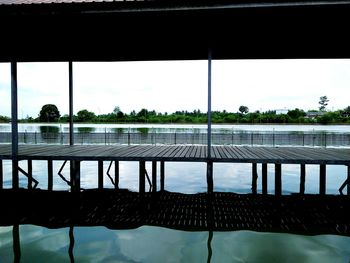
point(85, 116)
point(243, 109)
point(4, 119)
point(49, 113)
point(116, 110)
point(323, 102)
point(296, 113)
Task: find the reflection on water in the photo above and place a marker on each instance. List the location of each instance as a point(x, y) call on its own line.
point(152, 244)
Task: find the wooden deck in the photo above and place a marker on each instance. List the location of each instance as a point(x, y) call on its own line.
point(193, 153)
point(122, 209)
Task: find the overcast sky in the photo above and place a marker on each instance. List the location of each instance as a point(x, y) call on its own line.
point(178, 85)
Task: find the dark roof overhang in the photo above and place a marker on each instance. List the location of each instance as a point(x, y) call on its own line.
point(174, 30)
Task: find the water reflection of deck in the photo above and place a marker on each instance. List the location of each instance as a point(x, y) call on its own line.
point(191, 153)
point(121, 209)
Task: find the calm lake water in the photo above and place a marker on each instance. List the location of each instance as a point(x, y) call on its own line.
point(153, 244)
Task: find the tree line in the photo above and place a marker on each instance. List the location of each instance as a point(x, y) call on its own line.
point(50, 113)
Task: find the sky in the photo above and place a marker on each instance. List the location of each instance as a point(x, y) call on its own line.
point(168, 86)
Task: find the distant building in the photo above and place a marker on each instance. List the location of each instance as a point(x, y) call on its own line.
point(314, 114)
point(281, 111)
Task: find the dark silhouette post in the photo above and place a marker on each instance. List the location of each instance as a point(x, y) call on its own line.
point(302, 178)
point(264, 178)
point(71, 244)
point(16, 244)
point(14, 125)
point(254, 178)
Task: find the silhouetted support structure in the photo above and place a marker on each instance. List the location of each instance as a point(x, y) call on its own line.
point(1, 175)
point(100, 174)
point(154, 176)
point(49, 175)
point(264, 178)
point(71, 244)
point(278, 179)
point(75, 175)
point(14, 125)
point(16, 244)
point(142, 177)
point(254, 178)
point(162, 175)
point(322, 179)
point(116, 174)
point(302, 179)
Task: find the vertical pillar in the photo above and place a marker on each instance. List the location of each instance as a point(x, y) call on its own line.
point(49, 175)
point(154, 176)
point(100, 174)
point(162, 175)
point(254, 178)
point(71, 244)
point(142, 170)
point(30, 174)
point(264, 178)
point(209, 103)
point(14, 125)
point(302, 178)
point(75, 175)
point(71, 110)
point(16, 244)
point(322, 179)
point(210, 183)
point(116, 174)
point(278, 179)
point(1, 175)
point(348, 179)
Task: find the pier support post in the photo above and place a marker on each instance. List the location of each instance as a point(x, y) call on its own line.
point(75, 175)
point(16, 244)
point(162, 175)
point(1, 175)
point(348, 179)
point(116, 174)
point(278, 179)
point(49, 175)
point(254, 178)
point(154, 176)
point(210, 183)
point(14, 125)
point(142, 181)
point(30, 174)
point(264, 178)
point(100, 175)
point(302, 179)
point(322, 179)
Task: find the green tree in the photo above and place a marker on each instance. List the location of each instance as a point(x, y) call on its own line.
point(323, 102)
point(49, 113)
point(243, 109)
point(85, 116)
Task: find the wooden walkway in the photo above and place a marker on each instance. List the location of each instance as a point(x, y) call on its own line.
point(241, 154)
point(122, 209)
